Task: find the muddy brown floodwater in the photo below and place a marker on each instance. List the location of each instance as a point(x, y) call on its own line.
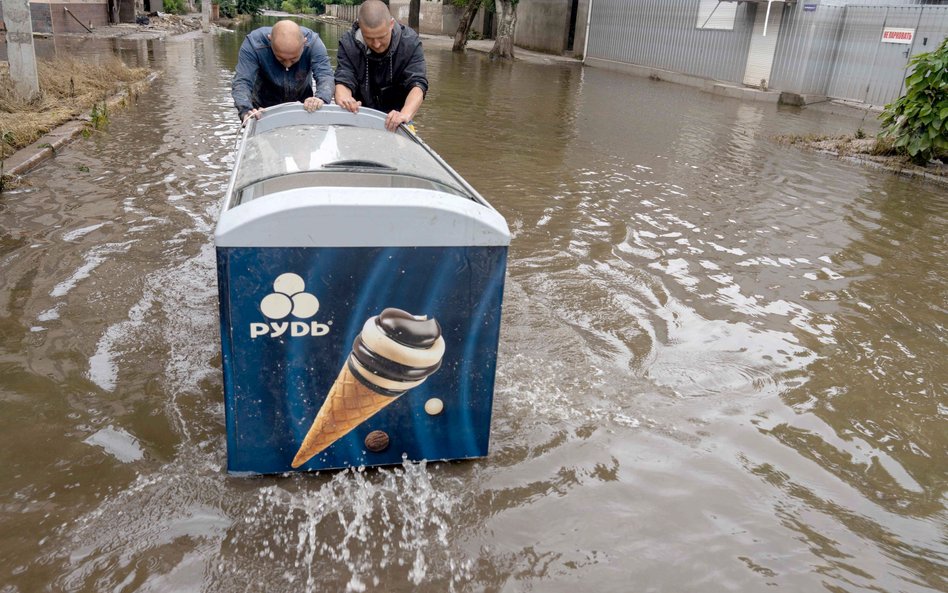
point(722, 362)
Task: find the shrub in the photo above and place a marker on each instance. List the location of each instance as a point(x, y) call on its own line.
point(917, 123)
point(173, 6)
point(227, 8)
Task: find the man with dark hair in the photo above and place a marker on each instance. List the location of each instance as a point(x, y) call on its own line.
point(278, 65)
point(381, 66)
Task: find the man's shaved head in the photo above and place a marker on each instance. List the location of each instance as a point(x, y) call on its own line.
point(286, 41)
point(373, 13)
point(286, 36)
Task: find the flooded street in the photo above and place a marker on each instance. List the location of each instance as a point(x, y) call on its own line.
point(721, 361)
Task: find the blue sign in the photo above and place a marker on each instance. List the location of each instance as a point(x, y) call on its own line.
point(345, 356)
point(809, 7)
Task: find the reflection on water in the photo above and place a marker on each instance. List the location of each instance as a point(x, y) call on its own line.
point(721, 363)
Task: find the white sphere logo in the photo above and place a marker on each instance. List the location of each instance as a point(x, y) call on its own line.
point(305, 304)
point(276, 306)
point(289, 284)
point(289, 297)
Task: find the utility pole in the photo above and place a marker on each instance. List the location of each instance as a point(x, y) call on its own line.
point(206, 15)
point(20, 51)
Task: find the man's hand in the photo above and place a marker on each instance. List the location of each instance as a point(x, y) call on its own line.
point(394, 119)
point(311, 104)
point(254, 113)
point(350, 104)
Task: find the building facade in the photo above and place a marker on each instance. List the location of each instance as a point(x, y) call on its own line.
point(77, 16)
point(848, 49)
point(71, 16)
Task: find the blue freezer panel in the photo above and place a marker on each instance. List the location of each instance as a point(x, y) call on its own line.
point(289, 317)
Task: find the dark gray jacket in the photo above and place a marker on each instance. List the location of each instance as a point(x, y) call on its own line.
point(261, 81)
point(393, 74)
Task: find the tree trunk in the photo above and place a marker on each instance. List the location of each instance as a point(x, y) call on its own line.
point(414, 14)
point(464, 24)
point(503, 45)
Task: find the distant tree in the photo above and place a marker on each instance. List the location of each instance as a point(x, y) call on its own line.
point(504, 43)
point(468, 13)
point(231, 8)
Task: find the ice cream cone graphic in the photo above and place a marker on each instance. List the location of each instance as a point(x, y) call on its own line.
point(394, 352)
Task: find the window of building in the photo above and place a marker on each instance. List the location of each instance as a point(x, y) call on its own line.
point(716, 15)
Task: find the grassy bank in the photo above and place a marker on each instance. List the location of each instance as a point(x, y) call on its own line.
point(69, 89)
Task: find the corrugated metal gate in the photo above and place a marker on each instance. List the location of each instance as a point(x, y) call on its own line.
point(824, 48)
point(806, 50)
point(838, 51)
point(663, 34)
point(873, 72)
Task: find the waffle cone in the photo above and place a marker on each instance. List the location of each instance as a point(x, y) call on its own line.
point(349, 404)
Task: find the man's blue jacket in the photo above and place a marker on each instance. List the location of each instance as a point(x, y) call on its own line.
point(261, 81)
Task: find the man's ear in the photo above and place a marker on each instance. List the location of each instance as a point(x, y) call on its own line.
point(269, 37)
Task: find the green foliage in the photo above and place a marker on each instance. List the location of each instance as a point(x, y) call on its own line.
point(100, 116)
point(231, 8)
point(487, 5)
point(248, 6)
point(303, 6)
point(917, 123)
point(174, 6)
point(227, 9)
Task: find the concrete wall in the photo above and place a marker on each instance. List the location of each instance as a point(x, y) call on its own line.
point(399, 10)
point(435, 17)
point(128, 9)
point(542, 25)
point(42, 18)
point(438, 18)
point(50, 17)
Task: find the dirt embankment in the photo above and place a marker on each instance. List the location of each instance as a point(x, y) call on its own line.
point(69, 89)
point(75, 91)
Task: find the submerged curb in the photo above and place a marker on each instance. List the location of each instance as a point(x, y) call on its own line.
point(37, 153)
point(26, 159)
point(898, 169)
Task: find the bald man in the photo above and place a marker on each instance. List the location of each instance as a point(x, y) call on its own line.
point(278, 64)
point(381, 65)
